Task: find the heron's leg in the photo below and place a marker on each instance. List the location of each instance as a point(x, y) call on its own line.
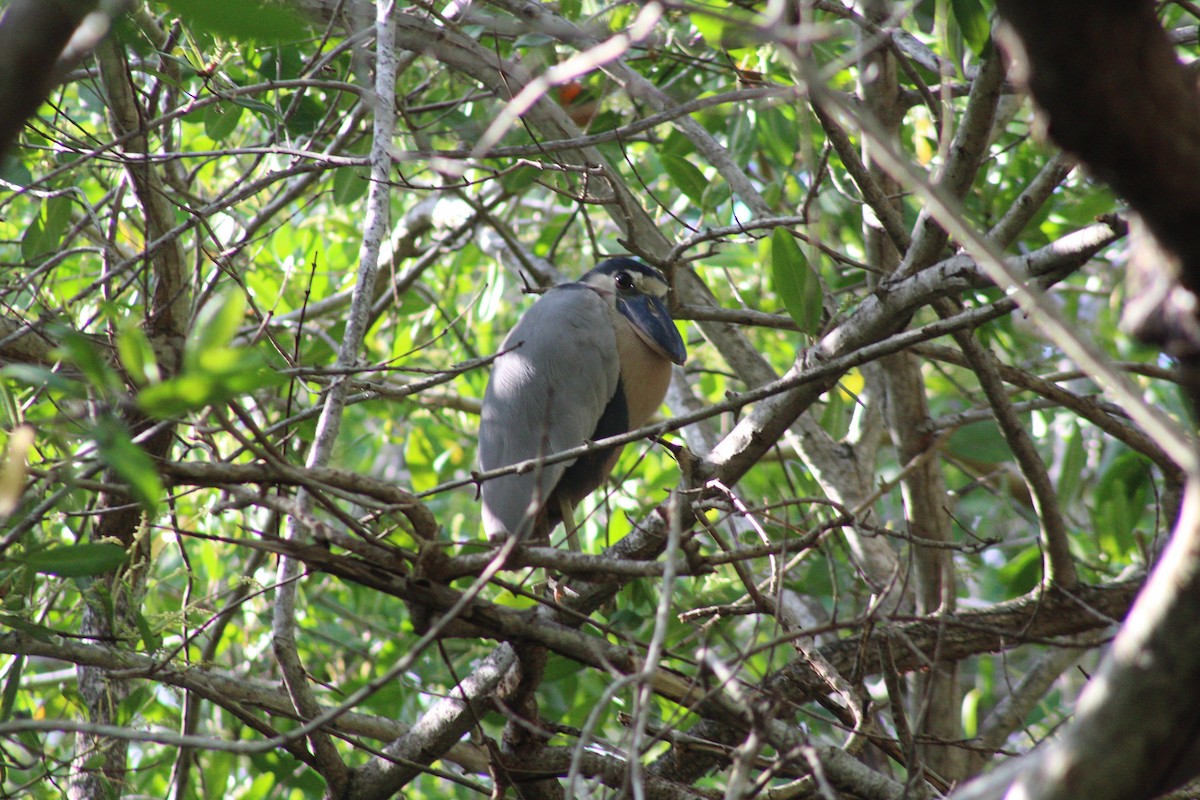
point(567, 509)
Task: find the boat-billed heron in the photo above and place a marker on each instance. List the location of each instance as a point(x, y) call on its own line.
point(589, 359)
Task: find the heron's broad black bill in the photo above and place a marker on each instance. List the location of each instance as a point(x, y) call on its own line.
point(653, 323)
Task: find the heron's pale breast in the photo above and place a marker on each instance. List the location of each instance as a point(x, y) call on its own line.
point(645, 374)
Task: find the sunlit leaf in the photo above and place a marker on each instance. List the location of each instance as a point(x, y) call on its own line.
point(795, 281)
point(256, 19)
point(137, 354)
point(710, 26)
point(34, 242)
point(56, 216)
point(971, 712)
point(176, 396)
point(216, 325)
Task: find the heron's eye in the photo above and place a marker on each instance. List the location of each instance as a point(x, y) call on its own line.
point(624, 281)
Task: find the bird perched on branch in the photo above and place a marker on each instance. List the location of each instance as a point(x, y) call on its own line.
point(589, 359)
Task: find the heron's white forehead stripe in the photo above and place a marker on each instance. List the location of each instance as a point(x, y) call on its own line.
point(649, 284)
point(645, 283)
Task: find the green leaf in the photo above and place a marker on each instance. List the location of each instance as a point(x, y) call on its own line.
point(12, 684)
point(258, 107)
point(729, 29)
point(137, 354)
point(254, 19)
point(1074, 464)
point(973, 20)
point(181, 61)
point(972, 701)
point(150, 638)
point(306, 117)
point(56, 216)
point(43, 378)
point(686, 176)
point(118, 451)
point(742, 141)
point(211, 377)
point(532, 40)
point(717, 193)
point(620, 16)
point(221, 119)
point(779, 134)
point(677, 144)
point(1023, 571)
point(520, 179)
point(419, 453)
point(134, 702)
point(835, 418)
point(33, 241)
point(349, 184)
point(14, 171)
point(795, 281)
point(570, 9)
point(76, 560)
point(176, 396)
point(1121, 499)
point(85, 354)
point(216, 325)
point(710, 26)
point(39, 632)
point(773, 194)
point(981, 444)
point(10, 411)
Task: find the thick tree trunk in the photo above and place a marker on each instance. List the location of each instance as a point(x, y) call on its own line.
point(99, 766)
point(1114, 94)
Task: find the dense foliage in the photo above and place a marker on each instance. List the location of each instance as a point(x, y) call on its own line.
point(239, 425)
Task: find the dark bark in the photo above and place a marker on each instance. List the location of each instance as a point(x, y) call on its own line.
point(1103, 72)
point(1112, 92)
point(1115, 95)
point(119, 518)
point(33, 35)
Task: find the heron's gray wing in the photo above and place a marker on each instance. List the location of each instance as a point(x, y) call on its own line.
point(545, 395)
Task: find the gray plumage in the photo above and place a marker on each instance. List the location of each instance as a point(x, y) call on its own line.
point(535, 405)
point(589, 359)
